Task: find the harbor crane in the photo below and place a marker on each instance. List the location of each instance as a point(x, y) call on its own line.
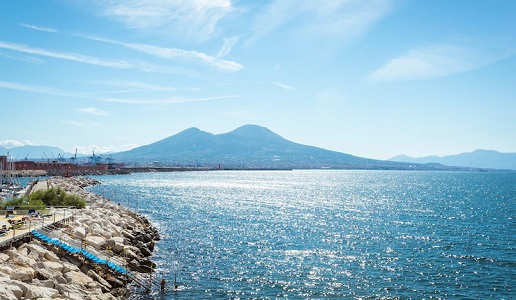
point(74, 158)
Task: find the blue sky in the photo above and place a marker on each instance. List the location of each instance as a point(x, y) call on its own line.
point(366, 77)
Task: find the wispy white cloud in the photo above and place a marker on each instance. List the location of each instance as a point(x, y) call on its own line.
point(21, 57)
point(283, 86)
point(33, 89)
point(431, 62)
point(69, 94)
point(39, 28)
point(229, 43)
point(140, 86)
point(167, 53)
point(174, 53)
point(172, 100)
point(131, 87)
point(195, 19)
point(93, 111)
point(340, 20)
point(14, 143)
point(120, 64)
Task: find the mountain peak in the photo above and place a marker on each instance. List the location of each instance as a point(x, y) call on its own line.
point(253, 131)
point(191, 129)
point(193, 132)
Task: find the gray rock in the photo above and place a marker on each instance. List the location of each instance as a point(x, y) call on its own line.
point(23, 274)
point(9, 291)
point(3, 258)
point(43, 274)
point(37, 292)
point(51, 256)
point(106, 287)
point(6, 294)
point(60, 279)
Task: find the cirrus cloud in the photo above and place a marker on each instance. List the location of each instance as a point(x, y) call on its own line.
point(196, 19)
point(432, 62)
point(340, 20)
point(93, 111)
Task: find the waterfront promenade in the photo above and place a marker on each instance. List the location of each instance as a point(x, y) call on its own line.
point(16, 232)
point(26, 222)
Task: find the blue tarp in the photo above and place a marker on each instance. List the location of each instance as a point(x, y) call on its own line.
point(84, 252)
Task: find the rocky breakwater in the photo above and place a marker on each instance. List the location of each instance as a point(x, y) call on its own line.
point(38, 270)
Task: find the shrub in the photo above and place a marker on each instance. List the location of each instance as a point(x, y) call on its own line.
point(57, 197)
point(25, 203)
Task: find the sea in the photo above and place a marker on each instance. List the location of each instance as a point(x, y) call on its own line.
point(327, 234)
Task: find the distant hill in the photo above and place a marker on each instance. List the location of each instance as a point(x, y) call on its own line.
point(34, 152)
point(477, 159)
point(250, 146)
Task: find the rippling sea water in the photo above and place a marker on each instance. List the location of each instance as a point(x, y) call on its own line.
point(328, 234)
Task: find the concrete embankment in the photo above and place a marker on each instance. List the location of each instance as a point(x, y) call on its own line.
point(39, 270)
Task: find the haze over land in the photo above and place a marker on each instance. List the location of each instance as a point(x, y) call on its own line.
point(370, 78)
point(478, 159)
point(257, 147)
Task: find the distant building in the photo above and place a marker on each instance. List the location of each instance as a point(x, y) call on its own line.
point(3, 162)
point(56, 166)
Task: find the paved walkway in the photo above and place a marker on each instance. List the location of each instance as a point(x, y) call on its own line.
point(57, 214)
point(40, 185)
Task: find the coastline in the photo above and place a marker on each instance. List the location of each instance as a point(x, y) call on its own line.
point(35, 269)
point(127, 171)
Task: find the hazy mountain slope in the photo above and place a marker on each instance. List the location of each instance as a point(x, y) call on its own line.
point(34, 152)
point(249, 146)
point(477, 159)
point(191, 140)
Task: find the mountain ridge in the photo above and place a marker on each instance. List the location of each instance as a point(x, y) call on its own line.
point(34, 152)
point(478, 158)
point(251, 146)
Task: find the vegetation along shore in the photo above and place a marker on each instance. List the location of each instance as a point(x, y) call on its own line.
point(101, 251)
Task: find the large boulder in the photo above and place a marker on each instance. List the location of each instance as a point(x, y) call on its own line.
point(24, 287)
point(116, 244)
point(44, 274)
point(96, 241)
point(6, 293)
point(3, 258)
point(38, 292)
point(51, 266)
point(51, 256)
point(40, 250)
point(67, 267)
point(77, 278)
point(23, 274)
point(6, 270)
point(106, 287)
point(79, 232)
point(73, 260)
point(130, 254)
point(10, 291)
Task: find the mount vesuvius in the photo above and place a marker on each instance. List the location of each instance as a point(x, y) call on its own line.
point(251, 147)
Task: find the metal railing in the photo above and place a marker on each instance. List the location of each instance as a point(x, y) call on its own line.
point(139, 277)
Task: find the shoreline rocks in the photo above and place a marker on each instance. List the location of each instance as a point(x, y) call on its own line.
point(36, 270)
